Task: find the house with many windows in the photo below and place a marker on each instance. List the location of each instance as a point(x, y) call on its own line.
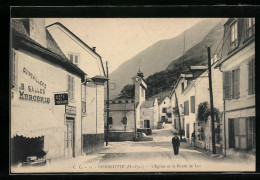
point(165, 109)
point(238, 68)
point(132, 114)
point(92, 92)
point(40, 71)
point(55, 106)
point(190, 91)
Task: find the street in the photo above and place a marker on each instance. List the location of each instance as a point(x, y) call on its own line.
point(146, 156)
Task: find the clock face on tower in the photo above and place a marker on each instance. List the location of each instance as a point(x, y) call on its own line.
point(136, 79)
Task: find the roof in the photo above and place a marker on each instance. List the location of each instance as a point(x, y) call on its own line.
point(198, 67)
point(120, 107)
point(71, 33)
point(82, 42)
point(160, 100)
point(20, 34)
point(147, 104)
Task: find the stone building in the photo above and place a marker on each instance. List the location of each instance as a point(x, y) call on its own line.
point(40, 71)
point(238, 68)
point(142, 115)
point(90, 62)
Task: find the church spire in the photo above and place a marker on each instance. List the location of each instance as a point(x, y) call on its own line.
point(140, 73)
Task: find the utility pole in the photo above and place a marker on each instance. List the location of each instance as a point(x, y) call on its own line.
point(211, 103)
point(107, 104)
point(178, 113)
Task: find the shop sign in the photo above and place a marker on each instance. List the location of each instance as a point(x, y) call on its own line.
point(61, 99)
point(70, 110)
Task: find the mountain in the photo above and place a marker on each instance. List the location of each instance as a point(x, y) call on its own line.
point(198, 53)
point(161, 83)
point(158, 56)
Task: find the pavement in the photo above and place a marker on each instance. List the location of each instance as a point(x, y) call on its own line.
point(147, 156)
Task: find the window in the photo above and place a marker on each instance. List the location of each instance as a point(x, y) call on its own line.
point(142, 92)
point(169, 115)
point(163, 118)
point(251, 77)
point(242, 133)
point(233, 36)
point(182, 86)
point(186, 108)
point(231, 84)
point(192, 104)
point(164, 110)
point(235, 83)
point(83, 100)
point(126, 101)
point(74, 58)
point(110, 120)
point(70, 87)
point(250, 27)
point(13, 68)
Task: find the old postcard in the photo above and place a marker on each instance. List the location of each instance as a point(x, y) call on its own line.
point(132, 95)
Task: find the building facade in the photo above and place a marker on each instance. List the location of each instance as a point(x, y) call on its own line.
point(44, 123)
point(238, 67)
point(90, 62)
point(165, 110)
point(141, 115)
point(39, 70)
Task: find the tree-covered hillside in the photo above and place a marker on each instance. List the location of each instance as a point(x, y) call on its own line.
point(163, 81)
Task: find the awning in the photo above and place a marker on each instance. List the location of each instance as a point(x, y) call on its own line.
point(31, 122)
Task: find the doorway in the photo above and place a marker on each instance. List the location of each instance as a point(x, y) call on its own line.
point(146, 123)
point(69, 137)
point(231, 133)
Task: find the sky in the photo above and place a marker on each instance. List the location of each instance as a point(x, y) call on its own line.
point(119, 39)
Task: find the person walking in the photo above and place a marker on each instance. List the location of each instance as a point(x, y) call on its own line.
point(193, 138)
point(175, 144)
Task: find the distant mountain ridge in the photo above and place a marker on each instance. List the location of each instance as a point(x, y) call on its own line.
point(160, 84)
point(160, 55)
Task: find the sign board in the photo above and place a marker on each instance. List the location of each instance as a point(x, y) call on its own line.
point(61, 99)
point(70, 110)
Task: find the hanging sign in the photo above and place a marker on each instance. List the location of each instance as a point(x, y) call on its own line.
point(70, 110)
point(61, 99)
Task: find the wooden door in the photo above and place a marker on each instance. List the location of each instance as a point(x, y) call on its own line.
point(231, 133)
point(146, 123)
point(69, 139)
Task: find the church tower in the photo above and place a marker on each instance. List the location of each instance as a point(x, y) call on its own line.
point(140, 86)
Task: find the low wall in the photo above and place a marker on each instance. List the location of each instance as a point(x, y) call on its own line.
point(92, 142)
point(121, 136)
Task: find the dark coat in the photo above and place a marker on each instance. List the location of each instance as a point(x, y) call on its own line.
point(175, 141)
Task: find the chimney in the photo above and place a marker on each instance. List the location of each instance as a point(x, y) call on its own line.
point(37, 30)
point(94, 49)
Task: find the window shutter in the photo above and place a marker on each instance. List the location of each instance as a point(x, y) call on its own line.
point(253, 76)
point(72, 87)
point(226, 84)
point(250, 77)
point(186, 108)
point(237, 83)
point(71, 57)
point(192, 104)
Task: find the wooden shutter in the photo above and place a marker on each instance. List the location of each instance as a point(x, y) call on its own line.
point(253, 70)
point(226, 84)
point(72, 87)
point(69, 93)
point(237, 83)
point(186, 108)
point(192, 104)
point(250, 77)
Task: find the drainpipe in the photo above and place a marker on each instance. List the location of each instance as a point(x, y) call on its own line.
point(224, 111)
point(225, 140)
